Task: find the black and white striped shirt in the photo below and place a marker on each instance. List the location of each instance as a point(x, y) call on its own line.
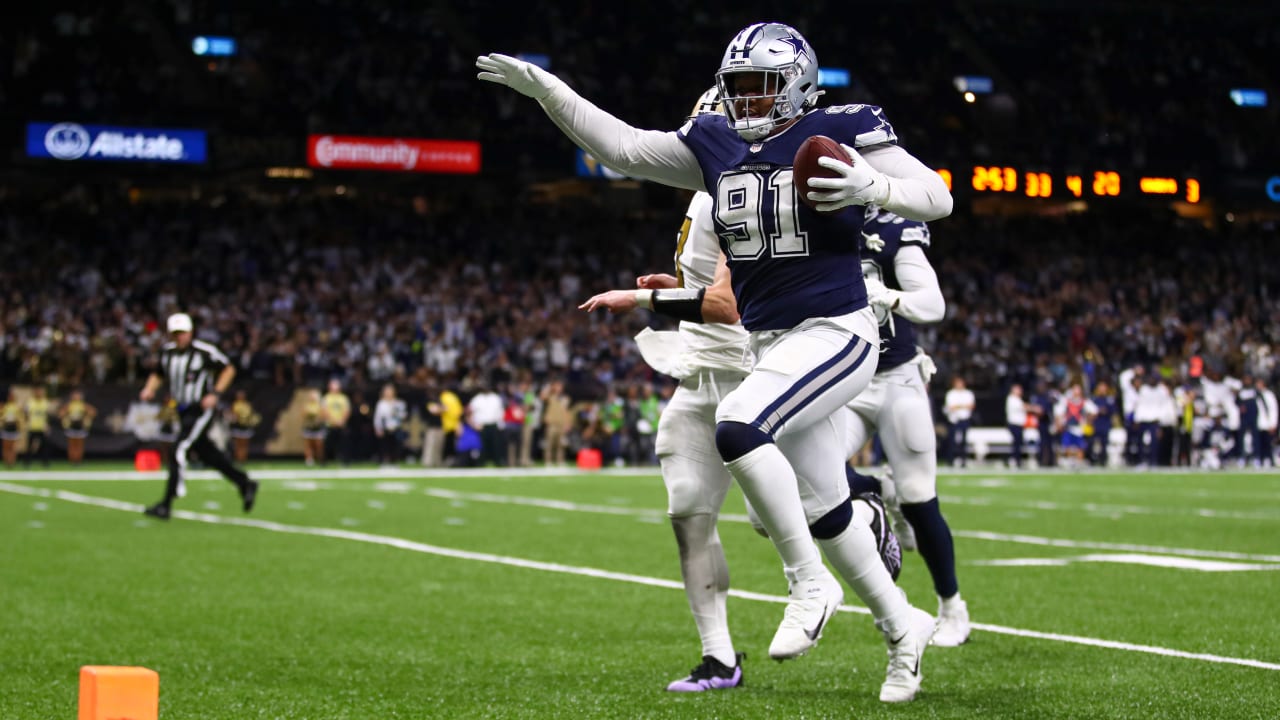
point(191, 372)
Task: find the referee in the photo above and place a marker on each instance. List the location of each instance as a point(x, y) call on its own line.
point(197, 374)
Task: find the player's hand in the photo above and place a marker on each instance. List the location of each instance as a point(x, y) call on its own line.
point(146, 394)
point(657, 281)
point(879, 296)
point(209, 401)
point(615, 301)
point(525, 78)
point(858, 184)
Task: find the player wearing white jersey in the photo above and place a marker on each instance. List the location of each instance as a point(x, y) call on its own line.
point(794, 274)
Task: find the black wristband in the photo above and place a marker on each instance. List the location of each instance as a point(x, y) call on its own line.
point(681, 304)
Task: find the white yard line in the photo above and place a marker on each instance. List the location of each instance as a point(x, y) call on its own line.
point(396, 474)
point(589, 572)
point(564, 505)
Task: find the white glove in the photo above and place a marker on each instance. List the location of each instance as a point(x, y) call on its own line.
point(879, 296)
point(525, 78)
point(927, 367)
point(858, 184)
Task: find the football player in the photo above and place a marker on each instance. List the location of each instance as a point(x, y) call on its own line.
point(710, 360)
point(794, 274)
point(902, 288)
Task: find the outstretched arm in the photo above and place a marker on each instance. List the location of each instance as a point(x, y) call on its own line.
point(714, 304)
point(652, 154)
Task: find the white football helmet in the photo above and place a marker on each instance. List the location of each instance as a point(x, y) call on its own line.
point(784, 61)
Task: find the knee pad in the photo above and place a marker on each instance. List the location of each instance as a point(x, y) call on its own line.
point(735, 439)
point(834, 522)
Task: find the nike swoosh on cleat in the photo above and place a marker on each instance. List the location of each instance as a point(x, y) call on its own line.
point(816, 631)
point(898, 639)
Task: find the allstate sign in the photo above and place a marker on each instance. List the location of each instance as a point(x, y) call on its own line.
point(73, 141)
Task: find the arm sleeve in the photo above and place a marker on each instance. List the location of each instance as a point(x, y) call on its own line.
point(920, 298)
point(915, 191)
point(652, 154)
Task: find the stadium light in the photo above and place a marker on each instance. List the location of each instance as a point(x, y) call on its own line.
point(833, 77)
point(1249, 97)
point(977, 84)
point(213, 46)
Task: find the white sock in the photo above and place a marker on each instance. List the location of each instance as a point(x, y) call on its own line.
point(768, 481)
point(706, 583)
point(946, 605)
point(854, 555)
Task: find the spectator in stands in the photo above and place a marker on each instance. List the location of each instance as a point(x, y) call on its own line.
point(10, 428)
point(1015, 417)
point(76, 416)
point(484, 413)
point(1154, 403)
point(1104, 405)
point(1268, 420)
point(243, 420)
point(529, 431)
point(36, 411)
point(957, 407)
point(389, 416)
point(337, 422)
point(557, 421)
point(313, 428)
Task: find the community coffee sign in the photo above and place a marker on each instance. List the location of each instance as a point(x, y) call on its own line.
point(355, 152)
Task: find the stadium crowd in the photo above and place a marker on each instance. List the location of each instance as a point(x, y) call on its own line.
point(436, 283)
point(370, 293)
point(1132, 83)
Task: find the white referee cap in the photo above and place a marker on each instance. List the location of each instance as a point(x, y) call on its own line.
point(180, 322)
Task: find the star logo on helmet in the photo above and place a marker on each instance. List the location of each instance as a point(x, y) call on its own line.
point(797, 44)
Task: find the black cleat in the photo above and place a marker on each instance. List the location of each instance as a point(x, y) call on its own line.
point(710, 675)
point(160, 511)
point(249, 493)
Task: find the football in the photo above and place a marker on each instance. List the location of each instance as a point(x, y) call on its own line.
point(805, 166)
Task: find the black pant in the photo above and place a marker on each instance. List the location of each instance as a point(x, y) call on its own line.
point(958, 440)
point(336, 446)
point(193, 439)
point(1015, 453)
point(389, 447)
point(36, 443)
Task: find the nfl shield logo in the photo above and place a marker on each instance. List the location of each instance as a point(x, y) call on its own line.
point(755, 148)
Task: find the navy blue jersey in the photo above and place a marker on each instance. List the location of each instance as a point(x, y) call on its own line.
point(1106, 410)
point(788, 262)
point(897, 334)
point(1247, 399)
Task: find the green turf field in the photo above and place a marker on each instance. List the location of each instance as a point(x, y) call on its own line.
point(370, 596)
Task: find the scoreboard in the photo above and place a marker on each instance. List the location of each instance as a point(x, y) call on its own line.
point(1083, 185)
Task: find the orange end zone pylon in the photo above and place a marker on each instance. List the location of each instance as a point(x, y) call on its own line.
point(119, 693)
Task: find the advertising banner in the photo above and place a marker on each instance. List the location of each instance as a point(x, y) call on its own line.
point(70, 141)
point(353, 152)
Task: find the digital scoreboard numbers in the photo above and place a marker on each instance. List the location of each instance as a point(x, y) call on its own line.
point(1026, 182)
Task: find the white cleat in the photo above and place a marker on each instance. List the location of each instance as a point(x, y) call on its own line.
point(813, 602)
point(953, 625)
point(903, 676)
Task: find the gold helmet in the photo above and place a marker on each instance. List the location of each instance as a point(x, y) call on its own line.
point(708, 102)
